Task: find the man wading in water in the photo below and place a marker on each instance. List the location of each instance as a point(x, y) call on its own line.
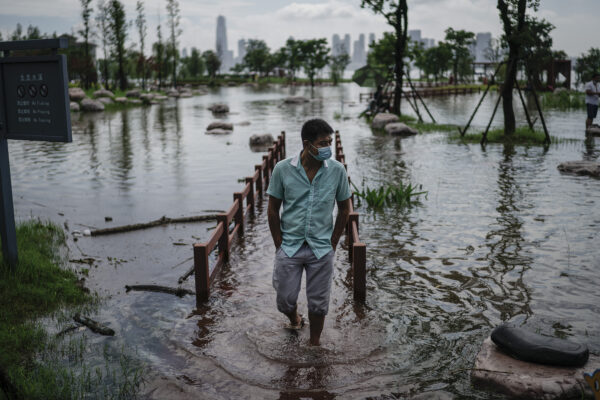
point(308, 184)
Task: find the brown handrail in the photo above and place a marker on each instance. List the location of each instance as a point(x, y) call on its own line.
point(357, 251)
point(222, 237)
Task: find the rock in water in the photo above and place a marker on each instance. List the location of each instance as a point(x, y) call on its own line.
point(382, 119)
point(172, 93)
point(220, 125)
point(91, 105)
point(121, 100)
point(218, 132)
point(103, 93)
point(76, 94)
point(262, 140)
point(400, 129)
point(135, 93)
point(590, 168)
point(593, 130)
point(219, 108)
point(105, 100)
point(74, 106)
point(295, 100)
point(527, 380)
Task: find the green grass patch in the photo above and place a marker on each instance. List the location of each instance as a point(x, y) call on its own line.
point(38, 365)
point(522, 136)
point(563, 99)
point(397, 195)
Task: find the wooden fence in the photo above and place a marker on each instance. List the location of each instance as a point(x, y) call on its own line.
point(357, 251)
point(223, 235)
point(256, 185)
point(427, 92)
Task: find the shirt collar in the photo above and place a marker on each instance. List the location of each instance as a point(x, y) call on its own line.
point(294, 161)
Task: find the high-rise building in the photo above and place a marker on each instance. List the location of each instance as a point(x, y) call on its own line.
point(224, 54)
point(482, 42)
point(241, 51)
point(335, 45)
point(183, 53)
point(415, 36)
point(346, 44)
point(359, 57)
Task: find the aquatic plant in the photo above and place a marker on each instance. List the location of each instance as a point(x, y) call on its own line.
point(563, 99)
point(398, 195)
point(522, 136)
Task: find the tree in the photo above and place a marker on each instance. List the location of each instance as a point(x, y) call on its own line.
point(338, 64)
point(459, 42)
point(396, 14)
point(257, 56)
point(86, 13)
point(382, 55)
point(438, 60)
point(275, 60)
point(159, 53)
point(195, 64)
point(512, 15)
point(415, 53)
point(17, 33)
point(537, 48)
point(140, 23)
point(33, 32)
point(315, 56)
point(175, 32)
point(587, 64)
point(118, 35)
point(104, 34)
point(293, 56)
point(213, 63)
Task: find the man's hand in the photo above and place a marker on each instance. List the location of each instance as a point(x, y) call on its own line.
point(340, 222)
point(274, 221)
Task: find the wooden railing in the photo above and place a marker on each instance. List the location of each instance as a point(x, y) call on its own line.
point(428, 92)
point(223, 235)
point(357, 251)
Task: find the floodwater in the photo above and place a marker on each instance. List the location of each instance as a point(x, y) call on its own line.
point(501, 236)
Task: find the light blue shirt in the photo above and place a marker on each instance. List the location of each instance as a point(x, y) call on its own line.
point(308, 207)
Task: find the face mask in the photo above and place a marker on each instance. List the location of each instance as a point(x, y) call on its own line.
point(324, 153)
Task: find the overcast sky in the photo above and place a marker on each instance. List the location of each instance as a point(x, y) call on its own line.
point(577, 21)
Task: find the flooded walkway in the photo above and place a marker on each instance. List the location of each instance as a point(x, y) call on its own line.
point(502, 236)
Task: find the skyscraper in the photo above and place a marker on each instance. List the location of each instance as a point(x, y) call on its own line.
point(335, 45)
point(241, 51)
point(359, 56)
point(346, 44)
point(224, 54)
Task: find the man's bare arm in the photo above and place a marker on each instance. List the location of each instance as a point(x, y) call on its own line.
point(274, 220)
point(340, 221)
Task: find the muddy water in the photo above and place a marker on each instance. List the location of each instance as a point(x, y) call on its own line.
point(501, 236)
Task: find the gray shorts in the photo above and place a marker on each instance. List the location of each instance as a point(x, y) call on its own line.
point(287, 276)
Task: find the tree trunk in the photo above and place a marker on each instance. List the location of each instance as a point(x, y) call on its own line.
point(507, 94)
point(401, 33)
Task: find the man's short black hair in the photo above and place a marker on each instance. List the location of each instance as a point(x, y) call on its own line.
point(313, 128)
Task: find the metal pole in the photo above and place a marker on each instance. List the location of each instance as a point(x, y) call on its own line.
point(463, 131)
point(524, 105)
point(484, 137)
point(419, 97)
point(7, 215)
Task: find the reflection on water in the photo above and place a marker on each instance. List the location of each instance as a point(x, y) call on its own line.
point(502, 235)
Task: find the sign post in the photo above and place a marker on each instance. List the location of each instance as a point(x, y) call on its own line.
point(34, 105)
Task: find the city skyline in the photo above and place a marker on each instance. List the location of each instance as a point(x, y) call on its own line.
point(274, 21)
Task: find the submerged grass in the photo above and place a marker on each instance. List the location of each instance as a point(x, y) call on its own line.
point(399, 195)
point(33, 363)
point(563, 99)
point(522, 136)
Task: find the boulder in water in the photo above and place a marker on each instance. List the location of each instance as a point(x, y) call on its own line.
point(159, 97)
point(261, 143)
point(91, 105)
point(295, 100)
point(522, 379)
point(591, 168)
point(121, 100)
point(74, 106)
point(219, 108)
point(135, 93)
point(135, 101)
point(103, 93)
point(220, 125)
point(400, 129)
point(382, 119)
point(172, 93)
point(105, 100)
point(76, 94)
point(218, 131)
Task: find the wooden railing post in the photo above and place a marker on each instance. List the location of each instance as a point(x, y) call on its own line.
point(259, 181)
point(224, 239)
point(250, 198)
point(352, 218)
point(266, 171)
point(239, 215)
point(202, 272)
point(283, 144)
point(359, 255)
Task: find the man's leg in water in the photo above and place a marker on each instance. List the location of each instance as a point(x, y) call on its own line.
point(287, 275)
point(319, 274)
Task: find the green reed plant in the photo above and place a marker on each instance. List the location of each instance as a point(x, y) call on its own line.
point(398, 195)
